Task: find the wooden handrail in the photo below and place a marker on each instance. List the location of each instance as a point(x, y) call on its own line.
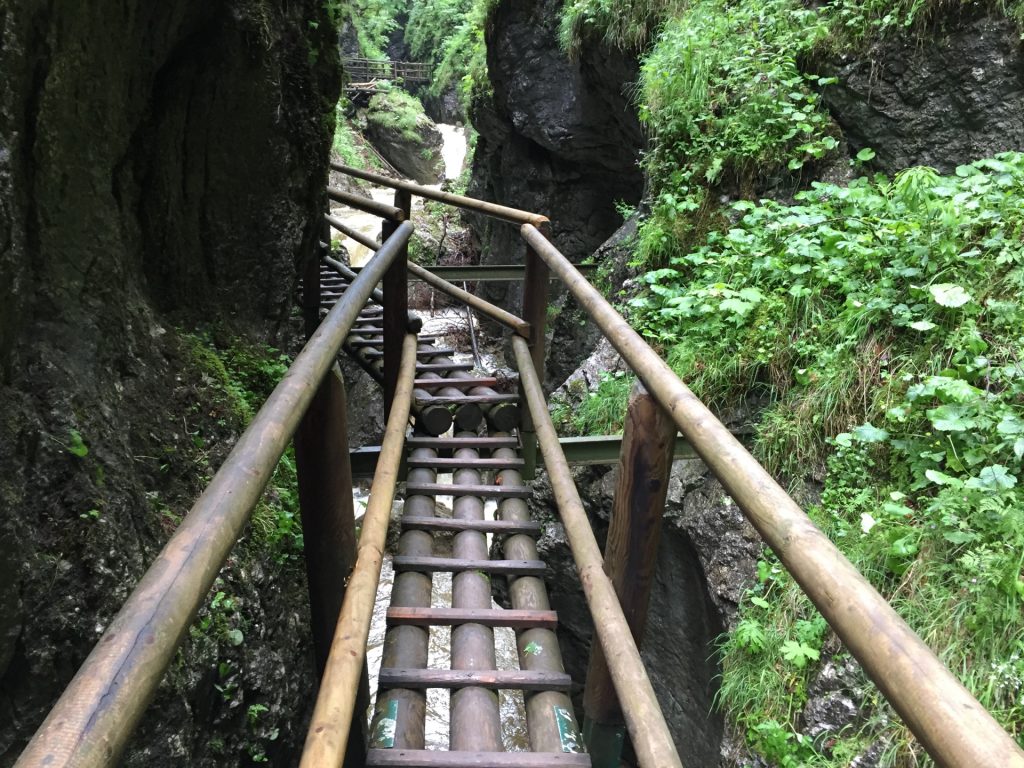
point(385, 211)
point(504, 317)
point(513, 215)
point(483, 306)
point(955, 729)
point(651, 737)
point(90, 724)
point(328, 732)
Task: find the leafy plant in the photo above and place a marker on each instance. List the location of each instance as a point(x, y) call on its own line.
point(76, 445)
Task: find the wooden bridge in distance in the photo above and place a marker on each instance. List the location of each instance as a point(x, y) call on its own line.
point(365, 74)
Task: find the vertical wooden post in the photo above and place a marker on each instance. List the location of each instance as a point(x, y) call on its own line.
point(630, 556)
point(535, 312)
point(328, 528)
point(396, 304)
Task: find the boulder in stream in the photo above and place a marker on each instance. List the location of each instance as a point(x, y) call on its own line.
point(401, 131)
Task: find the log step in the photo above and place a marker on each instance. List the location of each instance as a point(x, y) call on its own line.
point(415, 758)
point(423, 523)
point(488, 617)
point(455, 443)
point(486, 491)
point(427, 564)
point(495, 679)
point(455, 464)
point(483, 381)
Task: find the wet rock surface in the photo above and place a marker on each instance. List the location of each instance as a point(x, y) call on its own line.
point(411, 143)
point(559, 137)
point(684, 618)
point(158, 163)
point(952, 97)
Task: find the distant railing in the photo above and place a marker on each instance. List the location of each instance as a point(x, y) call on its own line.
point(368, 70)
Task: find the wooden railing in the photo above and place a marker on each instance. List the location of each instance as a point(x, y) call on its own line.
point(367, 70)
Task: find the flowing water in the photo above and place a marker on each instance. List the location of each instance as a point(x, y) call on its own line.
point(512, 712)
point(453, 150)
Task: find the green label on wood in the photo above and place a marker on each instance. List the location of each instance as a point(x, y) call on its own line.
point(384, 733)
point(567, 733)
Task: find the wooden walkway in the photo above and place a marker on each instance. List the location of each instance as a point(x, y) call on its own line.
point(366, 74)
point(481, 461)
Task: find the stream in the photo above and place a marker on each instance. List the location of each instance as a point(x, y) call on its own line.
point(453, 151)
point(512, 709)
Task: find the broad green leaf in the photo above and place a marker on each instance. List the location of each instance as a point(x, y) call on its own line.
point(949, 295)
point(959, 537)
point(940, 478)
point(922, 325)
point(736, 306)
point(1010, 425)
point(751, 294)
point(950, 418)
point(993, 478)
point(901, 510)
point(868, 433)
point(760, 602)
point(866, 154)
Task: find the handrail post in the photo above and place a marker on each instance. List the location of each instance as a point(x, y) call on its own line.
point(328, 529)
point(396, 303)
point(535, 312)
point(630, 556)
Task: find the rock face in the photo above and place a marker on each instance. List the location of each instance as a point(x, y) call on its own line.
point(955, 97)
point(707, 556)
point(159, 162)
point(558, 137)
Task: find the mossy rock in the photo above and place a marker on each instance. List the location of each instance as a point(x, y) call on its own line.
point(401, 131)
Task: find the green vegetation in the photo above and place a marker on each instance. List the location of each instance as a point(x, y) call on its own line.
point(372, 20)
point(889, 306)
point(398, 111)
point(350, 146)
point(450, 35)
point(880, 323)
point(242, 375)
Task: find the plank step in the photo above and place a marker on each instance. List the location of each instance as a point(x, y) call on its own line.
point(483, 381)
point(455, 443)
point(486, 491)
point(465, 399)
point(488, 617)
point(357, 340)
point(416, 758)
point(466, 463)
point(423, 523)
point(371, 353)
point(426, 564)
point(443, 367)
point(495, 679)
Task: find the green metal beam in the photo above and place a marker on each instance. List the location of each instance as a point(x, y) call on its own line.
point(590, 450)
point(492, 273)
